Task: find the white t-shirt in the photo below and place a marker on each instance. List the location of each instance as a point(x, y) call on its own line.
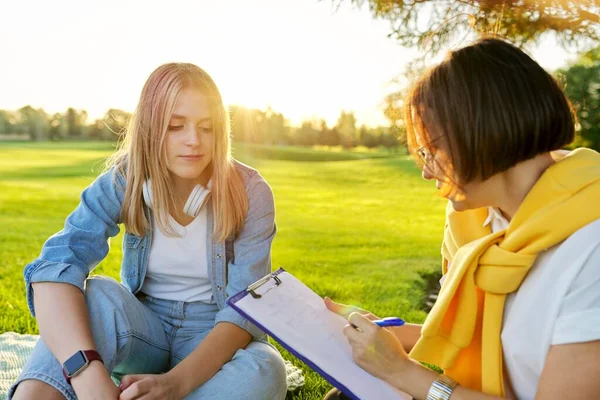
point(558, 302)
point(178, 266)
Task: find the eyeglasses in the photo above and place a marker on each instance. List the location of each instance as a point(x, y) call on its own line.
point(426, 157)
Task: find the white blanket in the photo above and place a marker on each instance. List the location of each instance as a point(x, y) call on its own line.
point(15, 348)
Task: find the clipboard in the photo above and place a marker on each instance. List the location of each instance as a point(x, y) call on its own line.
point(296, 317)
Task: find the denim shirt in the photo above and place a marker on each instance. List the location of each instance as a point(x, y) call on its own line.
point(71, 254)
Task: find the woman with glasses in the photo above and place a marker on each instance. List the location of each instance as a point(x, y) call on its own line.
point(518, 314)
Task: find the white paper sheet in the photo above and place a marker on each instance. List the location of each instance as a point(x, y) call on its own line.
point(298, 318)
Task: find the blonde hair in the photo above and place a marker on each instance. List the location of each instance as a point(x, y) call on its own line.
point(142, 154)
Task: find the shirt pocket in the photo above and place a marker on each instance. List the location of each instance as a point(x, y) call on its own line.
point(132, 254)
point(132, 241)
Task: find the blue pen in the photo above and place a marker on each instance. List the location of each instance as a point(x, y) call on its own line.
point(390, 321)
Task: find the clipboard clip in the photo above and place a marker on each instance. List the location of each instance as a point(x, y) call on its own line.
point(251, 289)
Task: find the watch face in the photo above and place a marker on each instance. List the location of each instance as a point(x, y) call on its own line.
point(75, 363)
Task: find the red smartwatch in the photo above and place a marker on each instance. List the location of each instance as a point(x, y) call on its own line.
point(78, 362)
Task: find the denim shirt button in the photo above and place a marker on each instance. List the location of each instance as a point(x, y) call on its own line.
point(219, 256)
point(219, 287)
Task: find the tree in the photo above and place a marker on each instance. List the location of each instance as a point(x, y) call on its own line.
point(307, 134)
point(390, 141)
point(393, 113)
point(274, 128)
point(346, 126)
point(58, 128)
point(6, 122)
point(33, 122)
point(582, 80)
point(115, 121)
point(75, 121)
point(368, 137)
point(98, 130)
point(323, 131)
point(432, 25)
point(328, 137)
point(257, 126)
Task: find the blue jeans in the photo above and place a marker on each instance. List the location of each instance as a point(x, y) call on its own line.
point(137, 335)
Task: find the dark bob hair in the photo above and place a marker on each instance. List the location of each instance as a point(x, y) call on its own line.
point(491, 106)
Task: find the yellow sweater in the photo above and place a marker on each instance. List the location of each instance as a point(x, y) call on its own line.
point(462, 333)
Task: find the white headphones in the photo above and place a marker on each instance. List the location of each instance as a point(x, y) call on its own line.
point(198, 197)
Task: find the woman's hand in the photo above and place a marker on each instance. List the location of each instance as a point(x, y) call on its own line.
point(149, 387)
point(407, 334)
point(345, 310)
point(375, 349)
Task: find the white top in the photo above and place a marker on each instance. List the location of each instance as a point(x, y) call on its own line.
point(178, 266)
point(557, 303)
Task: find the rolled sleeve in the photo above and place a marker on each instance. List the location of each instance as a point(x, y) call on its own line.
point(252, 249)
point(49, 271)
point(587, 323)
point(69, 255)
point(579, 316)
point(228, 314)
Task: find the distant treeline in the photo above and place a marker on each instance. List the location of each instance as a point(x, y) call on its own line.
point(248, 125)
point(581, 80)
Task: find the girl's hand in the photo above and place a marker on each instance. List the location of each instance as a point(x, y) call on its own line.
point(149, 387)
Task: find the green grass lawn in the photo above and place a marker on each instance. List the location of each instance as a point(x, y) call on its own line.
point(361, 228)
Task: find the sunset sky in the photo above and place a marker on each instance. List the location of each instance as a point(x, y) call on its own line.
point(301, 57)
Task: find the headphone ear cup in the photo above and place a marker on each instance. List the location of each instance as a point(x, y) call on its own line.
point(147, 192)
point(196, 200)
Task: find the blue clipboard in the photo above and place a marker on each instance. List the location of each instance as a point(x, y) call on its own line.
point(251, 290)
point(272, 310)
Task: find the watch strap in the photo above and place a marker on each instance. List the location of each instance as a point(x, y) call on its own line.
point(89, 356)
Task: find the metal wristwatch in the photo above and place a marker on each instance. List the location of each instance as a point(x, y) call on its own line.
point(442, 388)
point(78, 362)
